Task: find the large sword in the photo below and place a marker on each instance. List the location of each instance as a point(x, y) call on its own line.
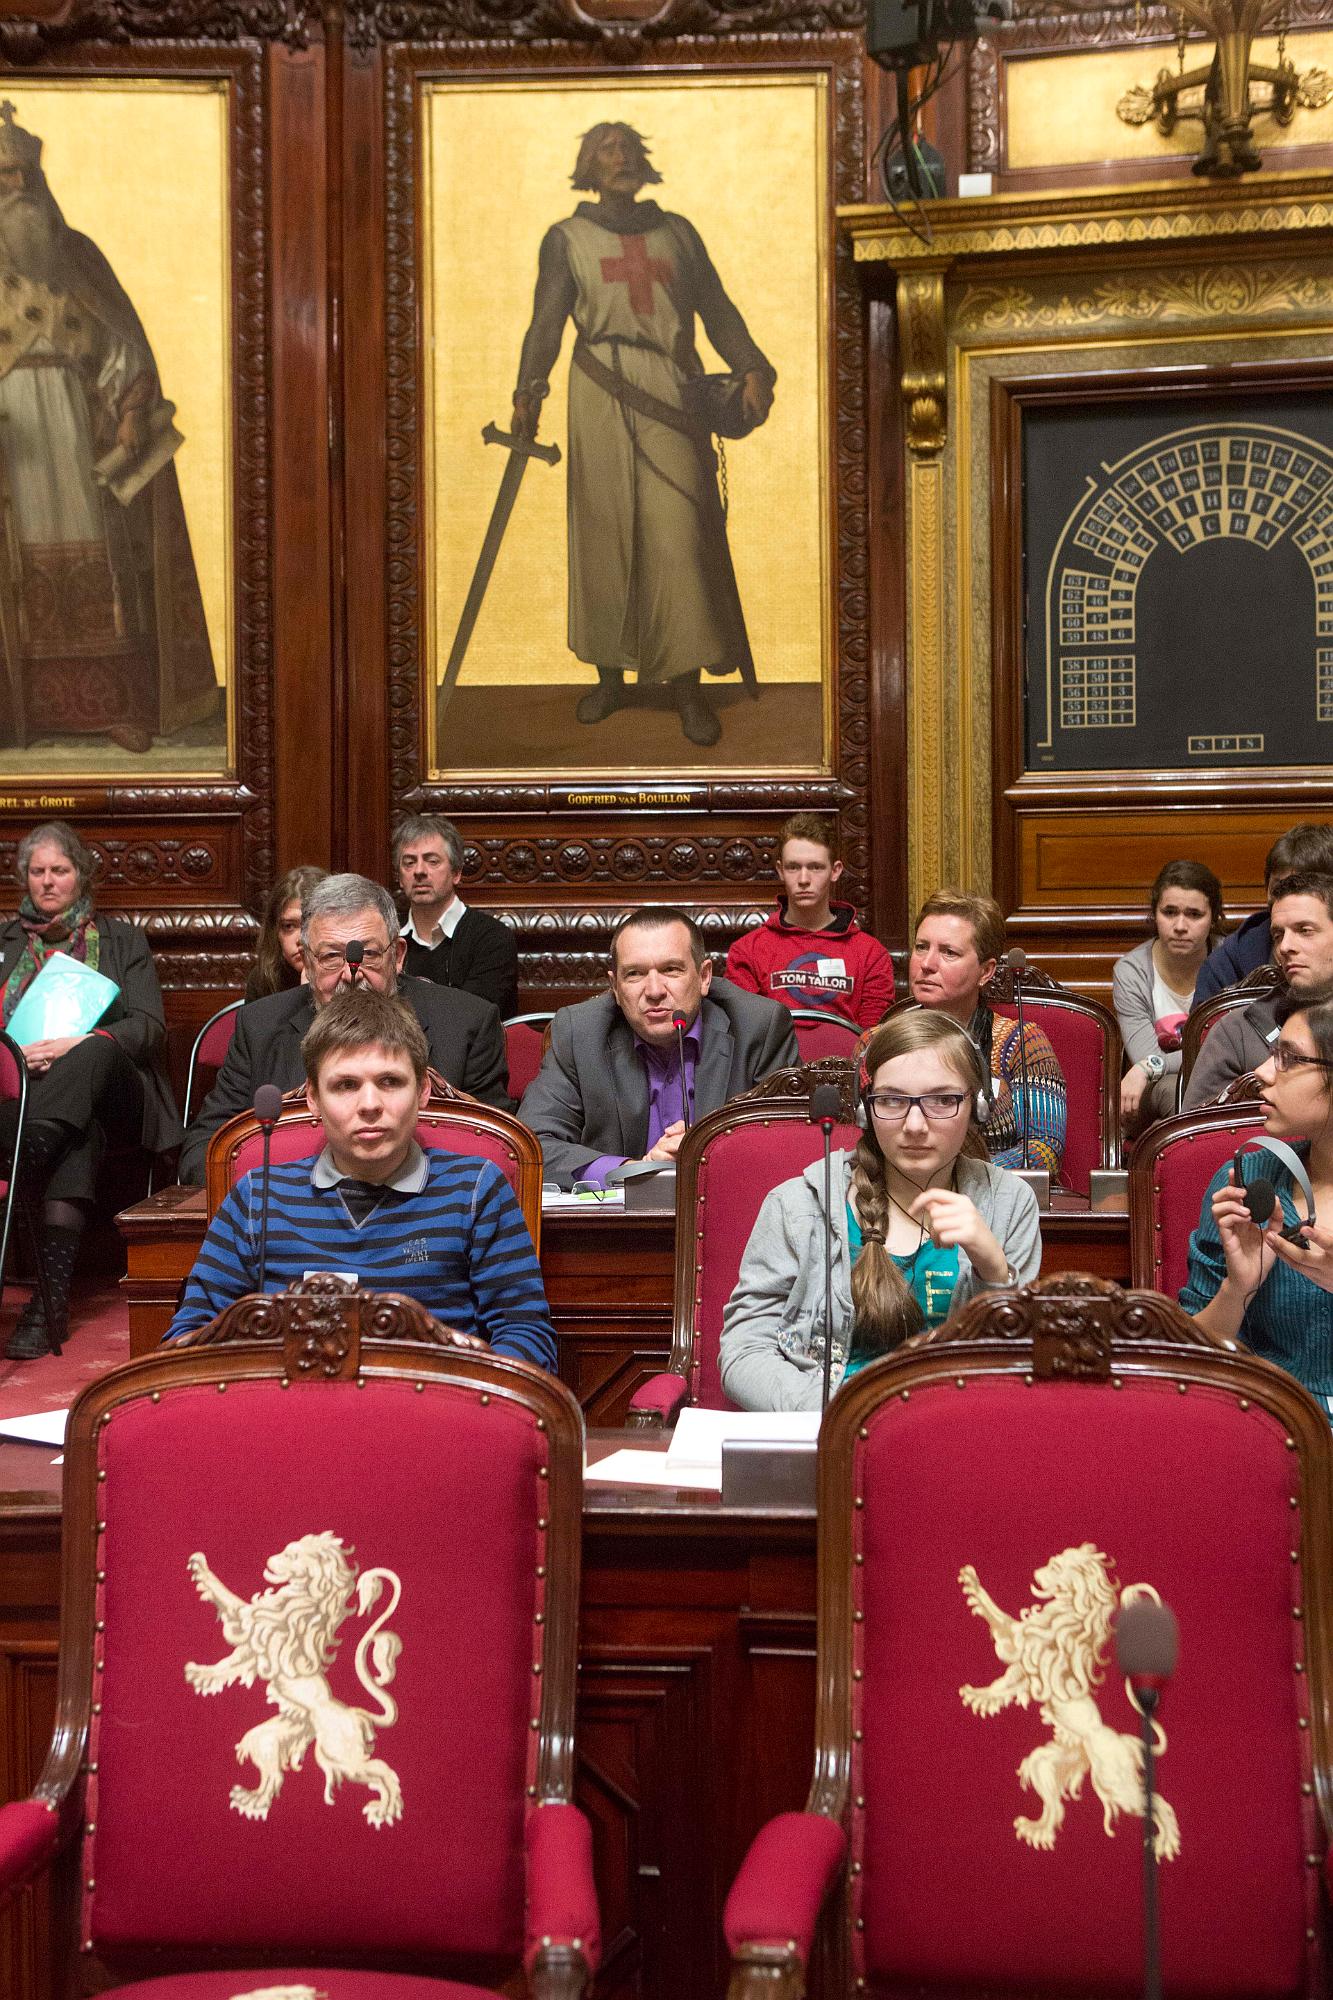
point(520, 451)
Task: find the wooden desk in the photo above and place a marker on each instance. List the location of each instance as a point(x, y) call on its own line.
point(609, 1278)
point(696, 1708)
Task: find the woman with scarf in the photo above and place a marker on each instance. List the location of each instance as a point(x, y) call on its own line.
point(83, 1090)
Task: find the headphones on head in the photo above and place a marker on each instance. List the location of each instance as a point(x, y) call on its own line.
point(1261, 1196)
point(981, 1103)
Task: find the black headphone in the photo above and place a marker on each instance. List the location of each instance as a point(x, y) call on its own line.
point(1261, 1196)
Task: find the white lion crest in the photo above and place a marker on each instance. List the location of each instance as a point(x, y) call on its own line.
point(1053, 1654)
point(286, 1637)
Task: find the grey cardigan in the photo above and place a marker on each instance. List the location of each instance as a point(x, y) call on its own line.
point(772, 1354)
point(1132, 998)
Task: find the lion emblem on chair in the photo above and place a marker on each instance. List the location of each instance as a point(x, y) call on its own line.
point(287, 1636)
point(1054, 1654)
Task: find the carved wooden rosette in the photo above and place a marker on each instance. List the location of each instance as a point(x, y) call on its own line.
point(190, 859)
point(321, 1322)
point(1022, 299)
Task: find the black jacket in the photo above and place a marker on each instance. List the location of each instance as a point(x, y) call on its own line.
point(481, 957)
point(467, 1047)
point(136, 1019)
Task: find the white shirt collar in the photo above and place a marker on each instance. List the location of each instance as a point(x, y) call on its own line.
point(445, 928)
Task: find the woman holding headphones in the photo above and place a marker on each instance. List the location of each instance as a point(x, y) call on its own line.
point(922, 1221)
point(1269, 1283)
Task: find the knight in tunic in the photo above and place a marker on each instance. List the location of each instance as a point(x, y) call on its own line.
point(102, 628)
point(652, 590)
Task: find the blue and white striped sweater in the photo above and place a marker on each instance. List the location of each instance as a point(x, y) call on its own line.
point(459, 1245)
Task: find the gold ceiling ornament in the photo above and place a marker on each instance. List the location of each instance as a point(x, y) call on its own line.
point(1216, 95)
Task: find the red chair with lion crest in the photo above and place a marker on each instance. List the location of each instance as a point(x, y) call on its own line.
point(990, 1498)
point(316, 1694)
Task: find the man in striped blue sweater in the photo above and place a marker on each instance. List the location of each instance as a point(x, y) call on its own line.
point(442, 1227)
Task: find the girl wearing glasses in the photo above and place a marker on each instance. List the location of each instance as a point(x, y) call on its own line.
point(921, 1222)
point(1257, 1283)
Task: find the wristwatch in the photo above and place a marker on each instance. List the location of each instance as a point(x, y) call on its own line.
point(1153, 1067)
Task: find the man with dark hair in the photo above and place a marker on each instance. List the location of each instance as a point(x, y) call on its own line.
point(443, 1227)
point(1307, 846)
point(652, 590)
point(811, 952)
point(446, 941)
point(463, 1034)
point(1302, 921)
point(611, 1087)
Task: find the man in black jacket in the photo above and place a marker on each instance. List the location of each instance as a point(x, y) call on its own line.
point(447, 941)
point(463, 1033)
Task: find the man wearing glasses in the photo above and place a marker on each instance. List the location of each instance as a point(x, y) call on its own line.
point(1302, 925)
point(349, 934)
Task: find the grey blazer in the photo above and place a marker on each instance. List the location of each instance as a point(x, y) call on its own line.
point(590, 1095)
point(136, 1020)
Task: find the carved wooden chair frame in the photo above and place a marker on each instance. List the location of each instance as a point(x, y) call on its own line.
point(1061, 1329)
point(524, 1146)
point(324, 1331)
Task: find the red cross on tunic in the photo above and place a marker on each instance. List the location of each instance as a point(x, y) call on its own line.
point(637, 269)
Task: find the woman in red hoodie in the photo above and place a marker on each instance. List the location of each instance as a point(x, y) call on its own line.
point(811, 952)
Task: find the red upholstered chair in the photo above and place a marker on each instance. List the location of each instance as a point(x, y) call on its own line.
point(1205, 1017)
point(1090, 1050)
point(317, 1666)
point(451, 1122)
point(525, 1042)
point(990, 1497)
point(726, 1165)
point(1172, 1165)
point(819, 1034)
point(209, 1052)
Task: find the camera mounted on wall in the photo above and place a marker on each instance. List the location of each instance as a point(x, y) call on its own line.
point(905, 35)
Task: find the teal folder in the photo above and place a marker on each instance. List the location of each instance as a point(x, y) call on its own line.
point(66, 998)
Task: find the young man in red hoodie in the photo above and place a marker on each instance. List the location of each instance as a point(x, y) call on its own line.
point(812, 952)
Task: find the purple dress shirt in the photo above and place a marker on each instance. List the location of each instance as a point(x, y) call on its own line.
point(666, 1096)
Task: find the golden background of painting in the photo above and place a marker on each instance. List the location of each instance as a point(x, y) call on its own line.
point(140, 166)
point(1060, 110)
point(744, 160)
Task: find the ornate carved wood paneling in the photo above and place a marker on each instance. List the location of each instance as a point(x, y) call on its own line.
point(515, 829)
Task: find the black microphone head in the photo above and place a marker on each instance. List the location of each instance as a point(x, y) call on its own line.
point(825, 1104)
point(354, 950)
point(1016, 959)
point(1147, 1640)
point(1260, 1200)
point(268, 1104)
point(680, 1021)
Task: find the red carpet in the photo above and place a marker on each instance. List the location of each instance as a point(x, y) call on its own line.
point(99, 1337)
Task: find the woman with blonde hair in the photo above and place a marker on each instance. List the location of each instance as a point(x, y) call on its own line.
point(922, 1222)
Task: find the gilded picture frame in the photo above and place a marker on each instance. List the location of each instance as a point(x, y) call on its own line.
point(509, 704)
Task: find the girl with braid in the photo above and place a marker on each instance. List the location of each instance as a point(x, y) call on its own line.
point(922, 1221)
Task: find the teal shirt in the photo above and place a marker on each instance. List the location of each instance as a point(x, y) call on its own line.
point(931, 1273)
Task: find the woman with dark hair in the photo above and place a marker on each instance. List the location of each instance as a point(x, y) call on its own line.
point(278, 963)
point(82, 1089)
point(956, 946)
point(1153, 986)
point(1269, 1285)
point(922, 1221)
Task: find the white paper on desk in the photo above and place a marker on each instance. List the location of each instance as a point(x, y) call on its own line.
point(47, 1427)
point(652, 1468)
point(561, 1201)
point(699, 1434)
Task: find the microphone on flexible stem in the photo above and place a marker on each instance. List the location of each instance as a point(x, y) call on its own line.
point(1147, 1644)
point(267, 1109)
point(1017, 962)
point(825, 1109)
point(680, 1024)
point(354, 952)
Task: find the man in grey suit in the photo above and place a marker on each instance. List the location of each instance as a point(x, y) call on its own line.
point(1302, 921)
point(610, 1087)
point(463, 1033)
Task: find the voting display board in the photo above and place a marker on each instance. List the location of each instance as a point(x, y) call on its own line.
point(1178, 583)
